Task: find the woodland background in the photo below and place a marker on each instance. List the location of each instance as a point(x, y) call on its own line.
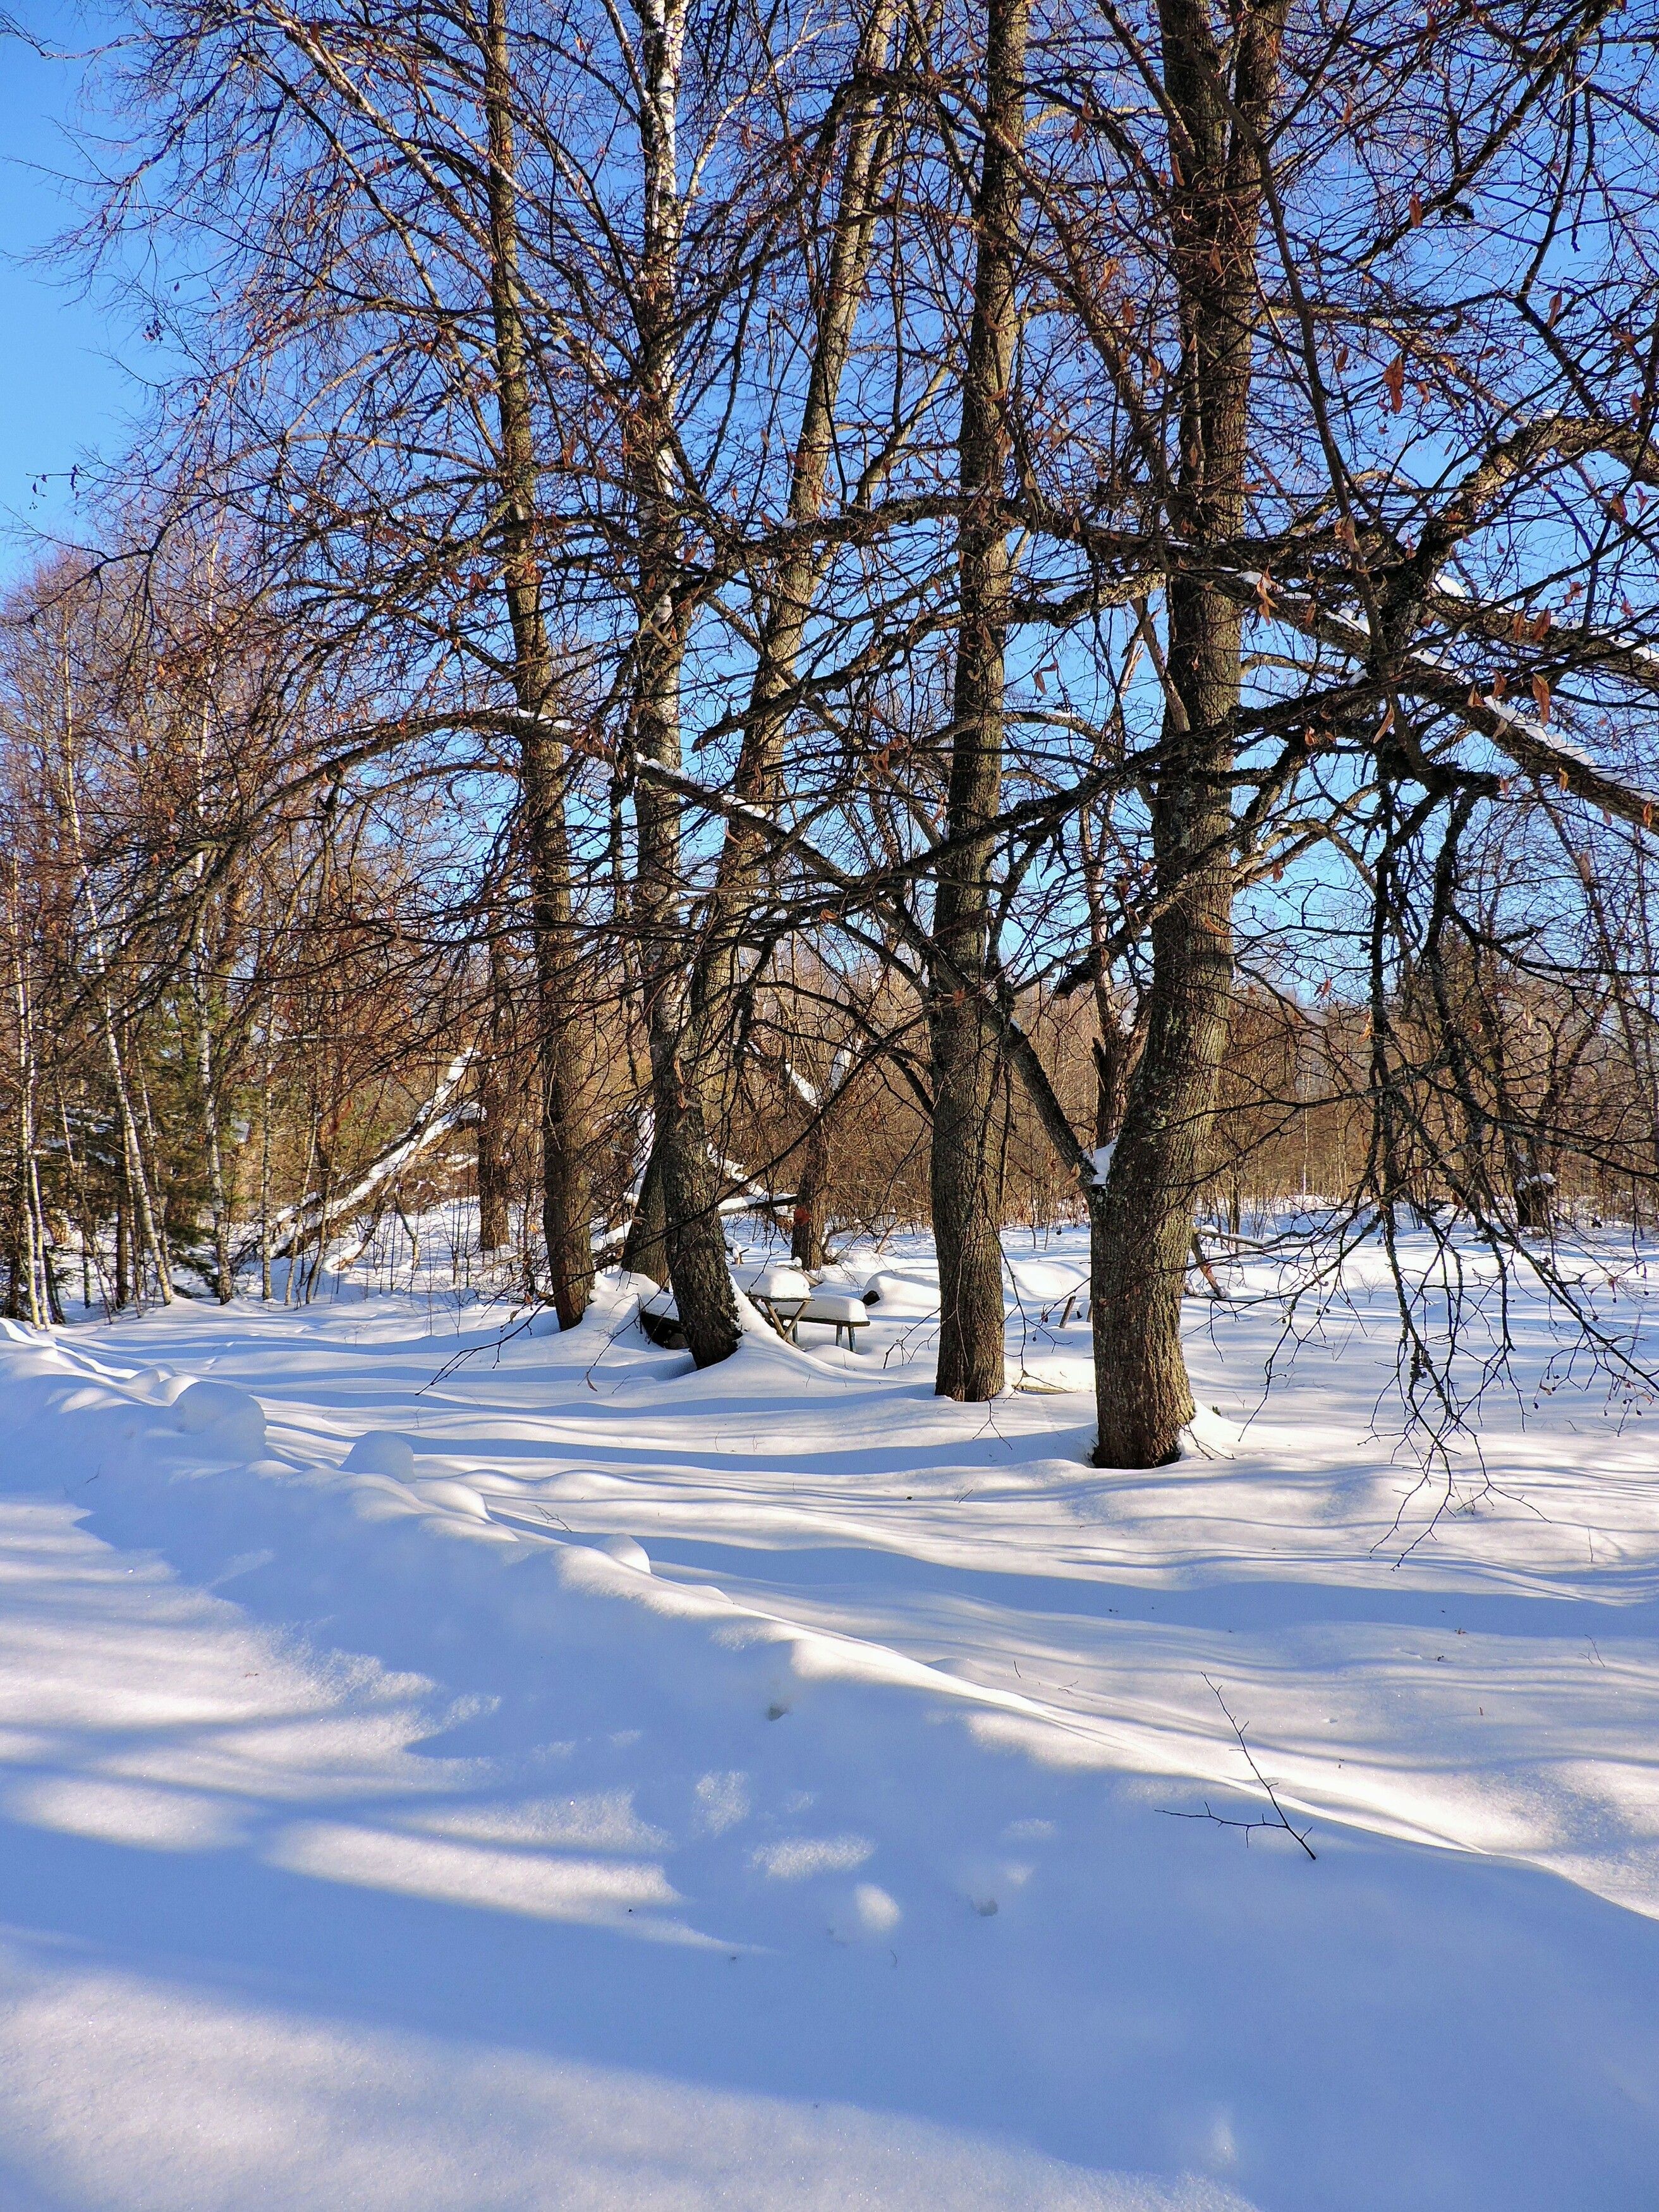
point(897, 614)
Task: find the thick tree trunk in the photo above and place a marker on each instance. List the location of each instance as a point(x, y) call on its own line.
point(1141, 1233)
point(1141, 1222)
point(565, 1205)
point(693, 1242)
point(1532, 1187)
point(965, 1170)
point(682, 1158)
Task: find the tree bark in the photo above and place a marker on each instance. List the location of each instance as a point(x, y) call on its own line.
point(565, 1205)
point(965, 1174)
point(1141, 1221)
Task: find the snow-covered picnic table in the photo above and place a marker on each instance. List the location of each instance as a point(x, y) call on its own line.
point(787, 1296)
point(784, 1295)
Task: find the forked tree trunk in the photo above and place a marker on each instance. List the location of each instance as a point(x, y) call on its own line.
point(1141, 1220)
point(965, 1174)
point(565, 1208)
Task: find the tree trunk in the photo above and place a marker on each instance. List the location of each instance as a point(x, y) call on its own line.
point(494, 1115)
point(806, 1237)
point(494, 1227)
point(144, 1211)
point(1532, 1185)
point(207, 1080)
point(1141, 1234)
point(1141, 1221)
point(43, 1246)
point(565, 1207)
point(646, 1250)
point(698, 1266)
point(708, 1056)
point(264, 1178)
point(23, 1303)
point(965, 1162)
point(122, 1246)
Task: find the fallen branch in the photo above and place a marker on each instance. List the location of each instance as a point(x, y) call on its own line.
point(295, 1224)
point(1248, 1827)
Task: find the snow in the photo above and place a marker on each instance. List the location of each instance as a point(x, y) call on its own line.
point(566, 1779)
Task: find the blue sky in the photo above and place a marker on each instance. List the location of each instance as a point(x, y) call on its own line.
point(63, 391)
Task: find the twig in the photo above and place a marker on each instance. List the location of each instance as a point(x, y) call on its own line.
point(1220, 1819)
point(471, 1350)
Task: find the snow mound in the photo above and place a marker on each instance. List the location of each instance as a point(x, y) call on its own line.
point(454, 1497)
point(224, 1419)
point(160, 1385)
point(377, 1451)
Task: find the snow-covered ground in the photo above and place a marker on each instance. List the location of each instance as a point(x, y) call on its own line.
point(549, 1777)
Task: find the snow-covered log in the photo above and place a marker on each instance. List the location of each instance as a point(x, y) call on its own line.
point(438, 1116)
